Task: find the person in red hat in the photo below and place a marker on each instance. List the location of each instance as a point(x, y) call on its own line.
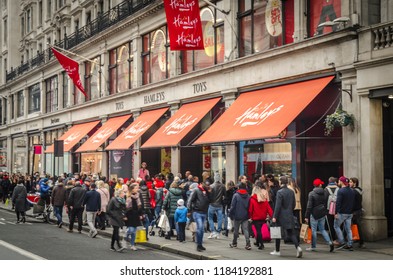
point(344, 207)
point(316, 212)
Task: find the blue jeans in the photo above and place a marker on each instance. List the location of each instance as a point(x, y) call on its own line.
point(218, 211)
point(199, 218)
point(131, 231)
point(58, 213)
point(346, 219)
point(318, 225)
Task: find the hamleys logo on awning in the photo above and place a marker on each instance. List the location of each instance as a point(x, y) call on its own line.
point(71, 138)
point(136, 129)
point(179, 124)
point(103, 134)
point(258, 114)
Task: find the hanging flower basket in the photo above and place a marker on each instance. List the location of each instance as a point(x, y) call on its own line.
point(339, 118)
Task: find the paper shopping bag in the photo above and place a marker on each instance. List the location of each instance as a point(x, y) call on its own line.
point(303, 231)
point(307, 238)
point(275, 232)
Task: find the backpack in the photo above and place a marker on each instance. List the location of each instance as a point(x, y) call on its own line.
point(331, 203)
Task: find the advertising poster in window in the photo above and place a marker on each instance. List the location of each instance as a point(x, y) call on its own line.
point(120, 163)
point(322, 14)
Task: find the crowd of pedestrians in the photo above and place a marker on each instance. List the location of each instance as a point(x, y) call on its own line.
point(127, 205)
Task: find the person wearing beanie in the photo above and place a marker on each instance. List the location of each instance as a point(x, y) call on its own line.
point(181, 220)
point(344, 206)
point(283, 216)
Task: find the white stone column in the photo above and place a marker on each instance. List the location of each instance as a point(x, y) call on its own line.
point(175, 151)
point(136, 152)
point(231, 166)
point(372, 173)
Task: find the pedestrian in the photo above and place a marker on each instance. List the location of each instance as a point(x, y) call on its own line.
point(93, 207)
point(292, 185)
point(116, 213)
point(170, 205)
point(259, 211)
point(69, 186)
point(331, 189)
point(357, 208)
point(58, 198)
point(283, 216)
point(239, 213)
point(344, 206)
point(181, 219)
point(103, 190)
point(230, 190)
point(145, 196)
point(216, 195)
point(134, 213)
point(316, 214)
point(75, 201)
point(143, 171)
point(18, 198)
point(198, 203)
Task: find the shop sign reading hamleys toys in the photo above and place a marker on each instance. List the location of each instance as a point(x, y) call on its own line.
point(257, 114)
point(179, 124)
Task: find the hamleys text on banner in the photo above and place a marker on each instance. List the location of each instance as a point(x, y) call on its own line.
point(71, 67)
point(184, 24)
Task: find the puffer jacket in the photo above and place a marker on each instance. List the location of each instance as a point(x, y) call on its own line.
point(116, 212)
point(170, 202)
point(144, 190)
point(317, 200)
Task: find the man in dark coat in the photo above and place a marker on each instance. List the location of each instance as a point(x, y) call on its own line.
point(93, 206)
point(316, 213)
point(75, 201)
point(283, 215)
point(58, 200)
point(19, 196)
point(239, 213)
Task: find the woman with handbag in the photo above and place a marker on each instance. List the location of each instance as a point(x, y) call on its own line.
point(115, 212)
point(134, 213)
point(283, 216)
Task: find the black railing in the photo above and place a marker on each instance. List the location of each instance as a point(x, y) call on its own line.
point(101, 23)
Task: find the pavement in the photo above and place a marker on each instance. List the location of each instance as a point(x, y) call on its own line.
point(218, 249)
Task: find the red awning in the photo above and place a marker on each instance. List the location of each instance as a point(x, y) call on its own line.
point(263, 113)
point(135, 130)
point(102, 134)
point(74, 135)
point(181, 123)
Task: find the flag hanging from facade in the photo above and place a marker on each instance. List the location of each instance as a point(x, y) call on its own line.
point(184, 24)
point(72, 69)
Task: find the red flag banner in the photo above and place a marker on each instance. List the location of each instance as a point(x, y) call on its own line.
point(184, 24)
point(37, 150)
point(72, 69)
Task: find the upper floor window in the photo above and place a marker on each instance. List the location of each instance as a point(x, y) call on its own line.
point(40, 13)
point(5, 31)
point(155, 56)
point(213, 36)
point(65, 89)
point(93, 78)
point(20, 109)
point(51, 94)
point(28, 21)
point(321, 16)
point(121, 68)
point(34, 98)
point(12, 106)
point(49, 9)
point(264, 25)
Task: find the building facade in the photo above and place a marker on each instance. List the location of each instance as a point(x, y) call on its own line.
point(173, 109)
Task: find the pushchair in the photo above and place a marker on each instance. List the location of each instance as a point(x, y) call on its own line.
point(39, 209)
point(154, 223)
